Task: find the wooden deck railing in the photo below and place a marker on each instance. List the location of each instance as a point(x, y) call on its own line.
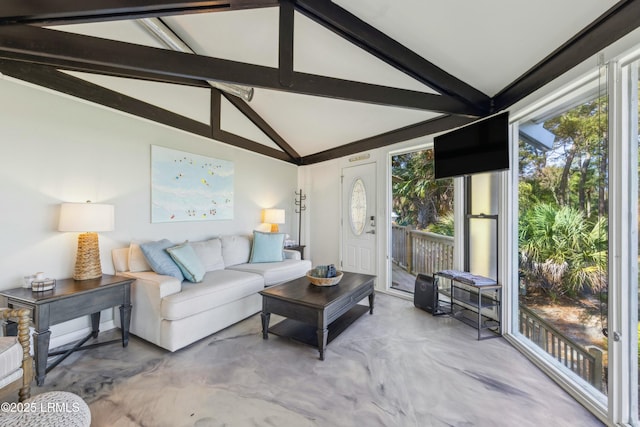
point(586, 363)
point(420, 252)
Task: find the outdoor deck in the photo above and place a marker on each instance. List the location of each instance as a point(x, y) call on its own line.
point(402, 280)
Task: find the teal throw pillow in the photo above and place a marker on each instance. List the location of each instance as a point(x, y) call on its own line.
point(159, 259)
point(188, 262)
point(267, 247)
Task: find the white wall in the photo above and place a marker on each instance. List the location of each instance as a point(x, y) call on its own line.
point(322, 184)
point(59, 149)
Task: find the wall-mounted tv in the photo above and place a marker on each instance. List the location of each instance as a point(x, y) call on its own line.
point(482, 146)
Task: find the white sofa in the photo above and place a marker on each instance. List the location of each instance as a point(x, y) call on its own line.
point(173, 314)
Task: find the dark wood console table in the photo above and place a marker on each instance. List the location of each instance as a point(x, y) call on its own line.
point(68, 300)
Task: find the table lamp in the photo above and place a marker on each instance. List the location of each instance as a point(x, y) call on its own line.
point(273, 217)
point(87, 218)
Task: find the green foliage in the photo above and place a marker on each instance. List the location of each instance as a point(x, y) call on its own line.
point(580, 150)
point(418, 199)
point(563, 202)
point(563, 251)
point(444, 225)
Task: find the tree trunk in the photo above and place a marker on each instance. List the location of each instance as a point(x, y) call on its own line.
point(582, 199)
point(564, 180)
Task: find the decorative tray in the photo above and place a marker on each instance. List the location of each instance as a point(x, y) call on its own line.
point(324, 281)
point(43, 285)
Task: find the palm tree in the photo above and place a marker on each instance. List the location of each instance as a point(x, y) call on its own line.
point(418, 199)
point(562, 251)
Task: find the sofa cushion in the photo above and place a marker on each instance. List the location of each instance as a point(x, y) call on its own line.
point(159, 259)
point(218, 287)
point(10, 360)
point(210, 253)
point(235, 249)
point(267, 247)
point(187, 261)
point(137, 260)
point(276, 272)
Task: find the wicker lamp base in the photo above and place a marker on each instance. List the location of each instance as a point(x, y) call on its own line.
point(88, 257)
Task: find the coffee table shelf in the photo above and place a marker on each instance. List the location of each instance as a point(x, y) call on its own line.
point(307, 334)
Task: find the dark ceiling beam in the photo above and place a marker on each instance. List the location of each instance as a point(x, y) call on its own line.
point(103, 69)
point(259, 122)
point(285, 43)
point(358, 32)
point(93, 54)
point(51, 78)
point(428, 127)
point(348, 90)
point(57, 12)
point(238, 141)
point(617, 22)
point(249, 145)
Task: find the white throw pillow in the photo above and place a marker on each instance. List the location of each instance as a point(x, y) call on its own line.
point(137, 260)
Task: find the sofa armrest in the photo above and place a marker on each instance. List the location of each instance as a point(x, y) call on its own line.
point(162, 285)
point(292, 254)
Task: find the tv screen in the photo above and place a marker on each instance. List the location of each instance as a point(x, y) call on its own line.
point(481, 146)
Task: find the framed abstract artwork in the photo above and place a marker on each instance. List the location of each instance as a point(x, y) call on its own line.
point(189, 187)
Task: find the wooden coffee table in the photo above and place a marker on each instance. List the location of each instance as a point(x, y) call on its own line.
point(316, 314)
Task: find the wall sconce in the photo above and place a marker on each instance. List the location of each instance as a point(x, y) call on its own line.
point(87, 218)
point(273, 217)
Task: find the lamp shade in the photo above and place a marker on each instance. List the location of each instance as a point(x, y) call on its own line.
point(274, 216)
point(85, 217)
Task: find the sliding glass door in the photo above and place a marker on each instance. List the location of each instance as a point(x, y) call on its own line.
point(563, 233)
point(575, 301)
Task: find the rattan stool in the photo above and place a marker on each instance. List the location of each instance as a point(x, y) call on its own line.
point(51, 409)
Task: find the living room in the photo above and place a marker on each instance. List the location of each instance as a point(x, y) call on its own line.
point(59, 148)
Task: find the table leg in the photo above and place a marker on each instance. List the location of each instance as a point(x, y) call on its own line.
point(125, 322)
point(41, 353)
point(322, 341)
point(265, 324)
point(95, 324)
point(372, 297)
point(479, 312)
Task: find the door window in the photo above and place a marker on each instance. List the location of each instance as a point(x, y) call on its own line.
point(358, 207)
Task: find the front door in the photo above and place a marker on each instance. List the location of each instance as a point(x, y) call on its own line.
point(359, 219)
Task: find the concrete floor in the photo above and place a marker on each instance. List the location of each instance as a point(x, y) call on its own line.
point(397, 367)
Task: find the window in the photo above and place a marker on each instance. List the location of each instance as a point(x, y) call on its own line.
point(358, 207)
point(577, 205)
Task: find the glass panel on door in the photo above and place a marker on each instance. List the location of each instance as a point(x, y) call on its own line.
point(563, 233)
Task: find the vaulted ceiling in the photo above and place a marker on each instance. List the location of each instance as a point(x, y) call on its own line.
point(330, 78)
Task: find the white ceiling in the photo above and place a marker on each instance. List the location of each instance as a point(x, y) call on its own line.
point(487, 44)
